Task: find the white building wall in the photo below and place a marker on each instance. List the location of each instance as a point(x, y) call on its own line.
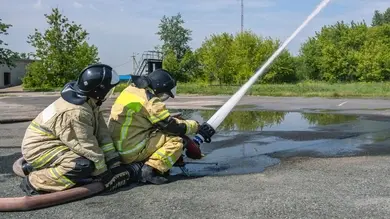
point(17, 73)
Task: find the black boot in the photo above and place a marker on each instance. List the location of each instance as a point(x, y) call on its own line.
point(134, 170)
point(26, 186)
point(26, 168)
point(149, 174)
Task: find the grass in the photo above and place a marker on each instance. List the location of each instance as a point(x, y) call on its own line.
point(303, 89)
point(41, 89)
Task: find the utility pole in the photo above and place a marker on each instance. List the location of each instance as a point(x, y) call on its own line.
point(135, 64)
point(242, 16)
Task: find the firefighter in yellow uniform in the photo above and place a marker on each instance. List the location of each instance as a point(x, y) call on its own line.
point(142, 128)
point(68, 143)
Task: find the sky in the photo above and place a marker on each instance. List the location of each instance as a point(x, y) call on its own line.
point(121, 28)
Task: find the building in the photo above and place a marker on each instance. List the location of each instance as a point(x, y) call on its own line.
point(124, 78)
point(13, 76)
point(150, 61)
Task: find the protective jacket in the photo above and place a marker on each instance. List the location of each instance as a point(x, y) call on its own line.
point(63, 127)
point(140, 124)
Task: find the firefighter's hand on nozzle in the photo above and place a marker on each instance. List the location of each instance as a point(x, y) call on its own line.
point(206, 131)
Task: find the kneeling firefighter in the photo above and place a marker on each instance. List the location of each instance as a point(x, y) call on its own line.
point(68, 143)
point(144, 131)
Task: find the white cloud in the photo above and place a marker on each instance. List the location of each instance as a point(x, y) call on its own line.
point(77, 5)
point(38, 4)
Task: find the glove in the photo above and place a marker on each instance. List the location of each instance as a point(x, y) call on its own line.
point(114, 178)
point(192, 126)
point(206, 131)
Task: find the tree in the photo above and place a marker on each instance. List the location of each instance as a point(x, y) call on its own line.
point(333, 53)
point(234, 59)
point(184, 70)
point(215, 54)
point(62, 52)
point(377, 19)
point(381, 18)
point(174, 36)
point(6, 55)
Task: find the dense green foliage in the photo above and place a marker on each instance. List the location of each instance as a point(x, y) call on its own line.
point(62, 52)
point(381, 18)
point(7, 56)
point(346, 53)
point(174, 36)
point(233, 59)
point(342, 52)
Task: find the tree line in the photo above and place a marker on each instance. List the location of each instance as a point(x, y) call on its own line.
point(341, 52)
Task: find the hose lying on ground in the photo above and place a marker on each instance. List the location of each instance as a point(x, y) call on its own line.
point(17, 167)
point(46, 200)
point(27, 203)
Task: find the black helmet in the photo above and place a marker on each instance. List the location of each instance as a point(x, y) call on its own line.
point(160, 81)
point(95, 81)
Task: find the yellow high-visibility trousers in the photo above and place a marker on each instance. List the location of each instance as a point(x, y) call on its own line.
point(159, 151)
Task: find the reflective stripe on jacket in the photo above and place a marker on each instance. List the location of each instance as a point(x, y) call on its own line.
point(64, 126)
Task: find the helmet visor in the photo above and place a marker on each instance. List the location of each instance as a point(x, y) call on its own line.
point(114, 77)
point(167, 95)
point(173, 92)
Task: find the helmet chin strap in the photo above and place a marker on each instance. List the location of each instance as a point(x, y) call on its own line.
point(164, 97)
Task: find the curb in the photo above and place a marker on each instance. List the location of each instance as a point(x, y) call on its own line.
point(28, 119)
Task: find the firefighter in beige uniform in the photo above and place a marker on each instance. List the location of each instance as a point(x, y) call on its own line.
point(68, 143)
point(142, 128)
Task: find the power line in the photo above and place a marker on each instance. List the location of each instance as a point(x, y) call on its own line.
point(122, 64)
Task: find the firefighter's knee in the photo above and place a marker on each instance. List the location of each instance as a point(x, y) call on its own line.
point(83, 169)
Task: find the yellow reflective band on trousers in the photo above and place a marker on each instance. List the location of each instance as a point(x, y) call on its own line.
point(161, 116)
point(37, 128)
point(99, 165)
point(134, 150)
point(60, 177)
point(133, 104)
point(168, 159)
point(108, 147)
point(48, 156)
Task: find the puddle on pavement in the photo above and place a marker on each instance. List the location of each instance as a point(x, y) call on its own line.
point(250, 141)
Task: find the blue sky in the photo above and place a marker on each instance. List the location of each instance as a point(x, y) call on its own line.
point(120, 28)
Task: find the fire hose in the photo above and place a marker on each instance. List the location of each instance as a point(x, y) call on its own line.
point(46, 200)
point(206, 131)
point(26, 203)
point(208, 128)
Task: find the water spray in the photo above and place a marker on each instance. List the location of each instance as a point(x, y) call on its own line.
point(208, 128)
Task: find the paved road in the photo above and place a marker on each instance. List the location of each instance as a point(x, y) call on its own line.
point(26, 105)
point(293, 166)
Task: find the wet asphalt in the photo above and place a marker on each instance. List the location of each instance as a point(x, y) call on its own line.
point(261, 164)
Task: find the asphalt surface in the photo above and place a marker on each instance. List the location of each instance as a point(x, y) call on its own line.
point(22, 105)
point(259, 165)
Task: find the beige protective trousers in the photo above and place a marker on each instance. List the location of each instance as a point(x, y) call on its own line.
point(63, 173)
point(161, 151)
